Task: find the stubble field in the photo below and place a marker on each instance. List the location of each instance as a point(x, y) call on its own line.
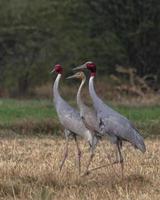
point(29, 169)
point(32, 147)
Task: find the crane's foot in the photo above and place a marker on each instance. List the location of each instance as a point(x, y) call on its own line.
point(60, 168)
point(85, 173)
point(117, 161)
point(94, 169)
point(112, 163)
point(122, 166)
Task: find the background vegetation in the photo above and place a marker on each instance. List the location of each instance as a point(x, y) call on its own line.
point(34, 35)
point(123, 38)
point(39, 116)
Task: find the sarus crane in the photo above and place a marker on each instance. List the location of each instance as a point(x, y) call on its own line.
point(111, 123)
point(70, 119)
point(87, 114)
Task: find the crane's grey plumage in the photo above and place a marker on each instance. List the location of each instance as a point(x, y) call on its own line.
point(70, 119)
point(111, 123)
point(87, 114)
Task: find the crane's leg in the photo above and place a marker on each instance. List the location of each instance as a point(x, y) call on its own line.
point(89, 162)
point(79, 154)
point(110, 160)
point(65, 155)
point(91, 157)
point(116, 153)
point(93, 146)
point(121, 161)
point(66, 150)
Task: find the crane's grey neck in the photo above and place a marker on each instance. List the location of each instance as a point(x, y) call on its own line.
point(98, 104)
point(79, 98)
point(92, 92)
point(56, 88)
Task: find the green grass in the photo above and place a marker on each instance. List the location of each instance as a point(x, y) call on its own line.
point(14, 110)
point(40, 113)
point(146, 119)
point(141, 114)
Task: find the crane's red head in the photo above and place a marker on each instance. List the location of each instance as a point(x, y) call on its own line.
point(90, 66)
point(58, 69)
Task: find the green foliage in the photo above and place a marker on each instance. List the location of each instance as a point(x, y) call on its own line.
point(34, 35)
point(26, 116)
point(13, 110)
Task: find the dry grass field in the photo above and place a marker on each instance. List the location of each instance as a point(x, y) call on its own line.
point(29, 169)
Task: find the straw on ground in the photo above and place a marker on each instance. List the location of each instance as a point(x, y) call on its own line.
point(29, 169)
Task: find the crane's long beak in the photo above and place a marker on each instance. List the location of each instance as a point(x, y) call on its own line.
point(80, 67)
point(52, 71)
point(73, 76)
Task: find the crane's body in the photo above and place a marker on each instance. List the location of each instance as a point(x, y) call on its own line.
point(70, 119)
point(68, 116)
point(87, 114)
point(111, 123)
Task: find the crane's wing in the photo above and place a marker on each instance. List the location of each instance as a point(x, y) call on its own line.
point(121, 128)
point(114, 124)
point(89, 117)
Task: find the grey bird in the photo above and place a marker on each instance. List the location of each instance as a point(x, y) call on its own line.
point(87, 114)
point(111, 123)
point(70, 119)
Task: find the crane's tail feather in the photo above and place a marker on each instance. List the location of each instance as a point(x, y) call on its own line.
point(139, 142)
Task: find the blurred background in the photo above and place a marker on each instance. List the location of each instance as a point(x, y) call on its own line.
point(122, 37)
